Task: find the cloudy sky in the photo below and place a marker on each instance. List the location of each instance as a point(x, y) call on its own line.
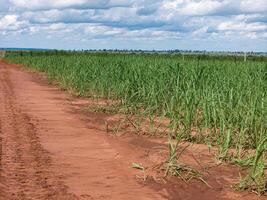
point(135, 24)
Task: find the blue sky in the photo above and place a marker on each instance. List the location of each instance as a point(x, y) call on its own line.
point(229, 25)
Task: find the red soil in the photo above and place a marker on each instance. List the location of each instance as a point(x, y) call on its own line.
point(52, 150)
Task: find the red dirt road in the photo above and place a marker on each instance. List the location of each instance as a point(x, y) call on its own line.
point(47, 150)
point(48, 153)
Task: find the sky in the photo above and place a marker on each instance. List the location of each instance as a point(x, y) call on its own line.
point(213, 25)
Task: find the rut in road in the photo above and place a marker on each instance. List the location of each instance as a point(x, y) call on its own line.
point(25, 170)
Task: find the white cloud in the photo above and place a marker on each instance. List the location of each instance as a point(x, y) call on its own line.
point(63, 4)
point(242, 26)
point(11, 23)
point(199, 8)
point(98, 30)
point(135, 19)
point(253, 6)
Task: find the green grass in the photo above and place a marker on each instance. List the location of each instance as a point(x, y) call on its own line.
point(222, 96)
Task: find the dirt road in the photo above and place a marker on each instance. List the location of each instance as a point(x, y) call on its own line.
point(48, 150)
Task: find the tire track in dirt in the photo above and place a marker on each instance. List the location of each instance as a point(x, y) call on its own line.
point(25, 165)
point(2, 190)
